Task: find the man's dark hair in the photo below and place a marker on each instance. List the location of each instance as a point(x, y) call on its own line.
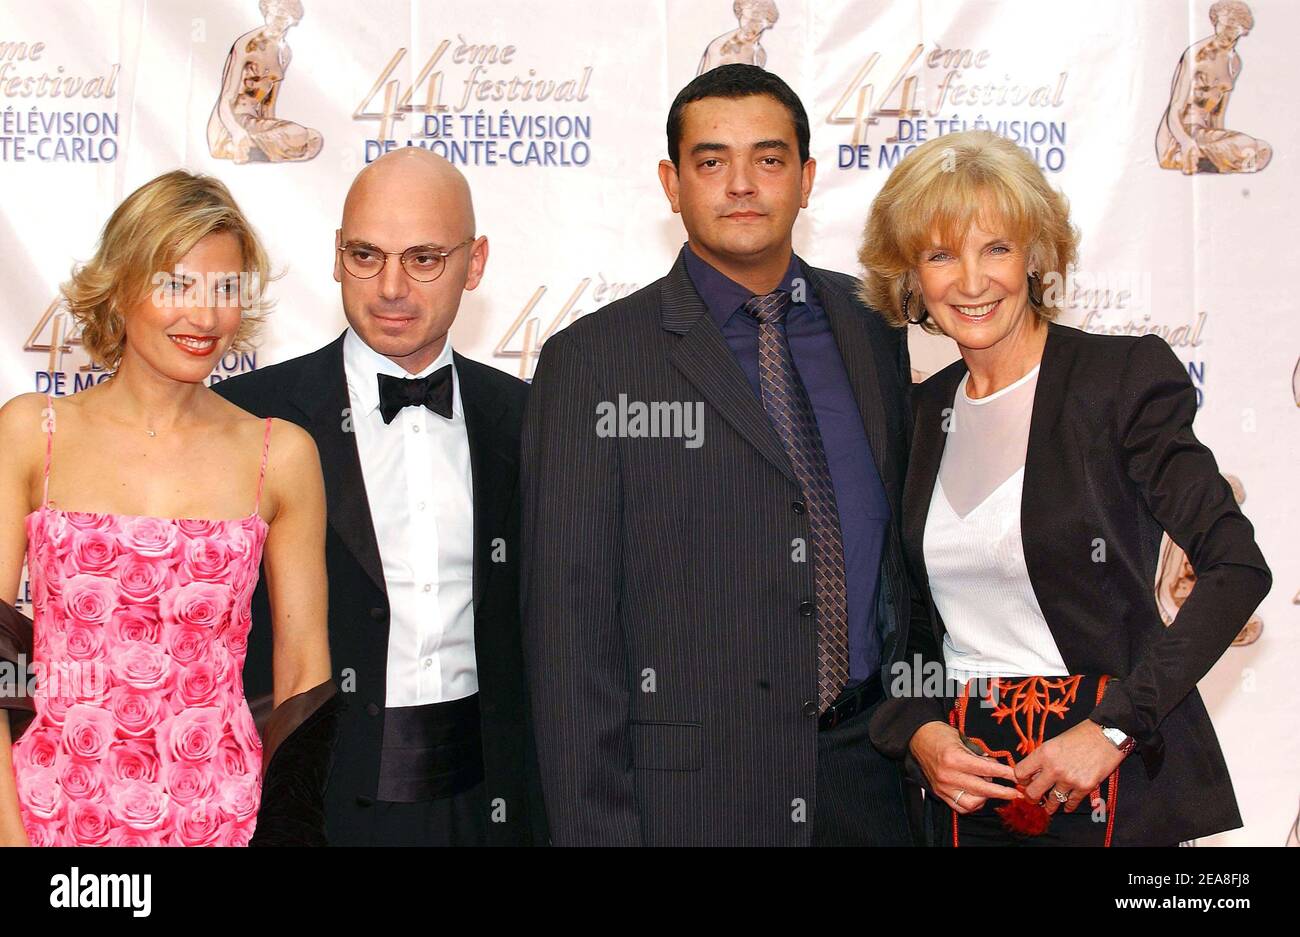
point(737, 81)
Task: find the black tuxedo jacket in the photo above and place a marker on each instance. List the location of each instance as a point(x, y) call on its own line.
point(311, 391)
point(1112, 460)
point(672, 669)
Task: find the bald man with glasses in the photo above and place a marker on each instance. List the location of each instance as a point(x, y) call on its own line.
point(420, 451)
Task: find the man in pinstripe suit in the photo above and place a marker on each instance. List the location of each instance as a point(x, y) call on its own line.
point(707, 617)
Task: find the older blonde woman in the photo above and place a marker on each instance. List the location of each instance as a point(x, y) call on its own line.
point(143, 507)
point(1044, 464)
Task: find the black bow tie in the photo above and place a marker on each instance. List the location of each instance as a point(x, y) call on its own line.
point(433, 391)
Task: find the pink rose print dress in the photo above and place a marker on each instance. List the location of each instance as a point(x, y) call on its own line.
point(142, 735)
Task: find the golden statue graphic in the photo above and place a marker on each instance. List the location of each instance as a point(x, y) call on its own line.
point(741, 46)
point(1175, 578)
point(243, 126)
point(1191, 136)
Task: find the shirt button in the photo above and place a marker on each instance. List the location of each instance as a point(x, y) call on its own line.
point(415, 429)
point(809, 708)
point(798, 507)
point(428, 587)
point(806, 608)
point(428, 662)
point(372, 709)
point(421, 505)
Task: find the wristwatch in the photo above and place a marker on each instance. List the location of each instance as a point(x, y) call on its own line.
point(1119, 738)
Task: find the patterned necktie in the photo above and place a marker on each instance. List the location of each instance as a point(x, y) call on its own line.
point(432, 391)
point(787, 405)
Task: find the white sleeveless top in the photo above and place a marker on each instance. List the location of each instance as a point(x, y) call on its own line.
point(974, 555)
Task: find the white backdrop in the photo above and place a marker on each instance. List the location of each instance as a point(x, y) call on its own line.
point(98, 98)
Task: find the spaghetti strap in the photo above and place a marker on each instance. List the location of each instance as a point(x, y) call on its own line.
point(48, 419)
point(266, 448)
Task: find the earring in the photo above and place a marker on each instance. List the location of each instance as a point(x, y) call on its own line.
point(1035, 281)
point(925, 313)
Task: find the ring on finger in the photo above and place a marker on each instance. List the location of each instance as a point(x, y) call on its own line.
point(957, 800)
point(1060, 796)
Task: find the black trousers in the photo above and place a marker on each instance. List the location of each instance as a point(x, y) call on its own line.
point(459, 820)
point(860, 798)
point(431, 777)
point(985, 829)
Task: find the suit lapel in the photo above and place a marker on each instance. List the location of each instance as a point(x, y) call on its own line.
point(494, 470)
point(322, 397)
point(1040, 482)
point(851, 337)
point(704, 358)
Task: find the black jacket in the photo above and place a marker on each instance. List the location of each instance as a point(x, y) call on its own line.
point(311, 391)
point(1112, 460)
point(672, 657)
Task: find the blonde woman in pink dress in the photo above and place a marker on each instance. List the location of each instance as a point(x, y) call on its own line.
point(144, 507)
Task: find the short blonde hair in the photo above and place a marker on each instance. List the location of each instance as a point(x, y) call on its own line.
point(153, 228)
point(942, 187)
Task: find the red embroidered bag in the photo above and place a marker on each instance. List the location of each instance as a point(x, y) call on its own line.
point(1013, 717)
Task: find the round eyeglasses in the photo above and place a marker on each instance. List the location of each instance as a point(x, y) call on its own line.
point(424, 263)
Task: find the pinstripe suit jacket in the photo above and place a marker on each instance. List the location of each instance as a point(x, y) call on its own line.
point(671, 669)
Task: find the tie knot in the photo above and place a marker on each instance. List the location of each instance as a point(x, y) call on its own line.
point(771, 307)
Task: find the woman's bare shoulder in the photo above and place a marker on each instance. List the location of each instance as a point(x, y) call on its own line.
point(292, 446)
point(23, 416)
point(234, 417)
point(23, 424)
point(284, 433)
point(293, 469)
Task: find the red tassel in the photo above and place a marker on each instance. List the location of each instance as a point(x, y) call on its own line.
point(1023, 817)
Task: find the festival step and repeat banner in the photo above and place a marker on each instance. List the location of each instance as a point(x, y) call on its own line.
point(1165, 122)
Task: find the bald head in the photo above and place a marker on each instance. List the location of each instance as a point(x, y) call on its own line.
point(408, 200)
point(410, 187)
